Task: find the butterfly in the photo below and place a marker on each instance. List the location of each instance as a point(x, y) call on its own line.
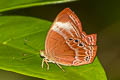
point(66, 44)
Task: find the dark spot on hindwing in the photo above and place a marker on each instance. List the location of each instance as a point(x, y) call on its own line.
point(87, 58)
point(80, 44)
point(76, 40)
point(70, 39)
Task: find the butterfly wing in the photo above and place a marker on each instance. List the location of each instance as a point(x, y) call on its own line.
point(63, 39)
point(67, 15)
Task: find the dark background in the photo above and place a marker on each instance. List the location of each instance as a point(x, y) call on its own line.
point(97, 16)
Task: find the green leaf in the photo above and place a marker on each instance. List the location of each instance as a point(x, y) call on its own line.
point(21, 38)
point(14, 4)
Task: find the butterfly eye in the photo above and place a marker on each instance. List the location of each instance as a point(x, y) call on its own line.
point(76, 40)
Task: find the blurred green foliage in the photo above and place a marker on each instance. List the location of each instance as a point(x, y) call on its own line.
point(6, 5)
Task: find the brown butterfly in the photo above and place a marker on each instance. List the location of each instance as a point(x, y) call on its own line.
point(66, 44)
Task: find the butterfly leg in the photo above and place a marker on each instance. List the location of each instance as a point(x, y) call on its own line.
point(60, 67)
point(46, 61)
point(43, 62)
